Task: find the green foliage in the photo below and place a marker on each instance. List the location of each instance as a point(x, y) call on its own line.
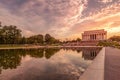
point(108, 43)
point(50, 40)
point(36, 39)
point(11, 59)
point(12, 35)
point(23, 40)
point(50, 52)
point(113, 41)
point(78, 39)
point(71, 41)
point(115, 38)
point(9, 35)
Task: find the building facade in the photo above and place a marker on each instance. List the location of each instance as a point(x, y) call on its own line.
point(94, 35)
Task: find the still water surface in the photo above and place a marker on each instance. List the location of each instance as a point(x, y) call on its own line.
point(45, 64)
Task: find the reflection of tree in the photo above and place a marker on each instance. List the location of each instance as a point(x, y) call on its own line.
point(79, 50)
point(37, 53)
point(0, 70)
point(10, 59)
point(50, 52)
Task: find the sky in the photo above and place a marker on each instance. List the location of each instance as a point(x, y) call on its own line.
point(63, 19)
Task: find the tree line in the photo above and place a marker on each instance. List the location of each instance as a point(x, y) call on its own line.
point(113, 41)
point(12, 35)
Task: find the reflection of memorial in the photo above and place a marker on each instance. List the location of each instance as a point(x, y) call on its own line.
point(90, 53)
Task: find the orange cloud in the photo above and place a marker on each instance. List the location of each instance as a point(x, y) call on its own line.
point(61, 18)
point(107, 18)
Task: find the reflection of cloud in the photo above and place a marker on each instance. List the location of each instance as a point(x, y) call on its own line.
point(60, 18)
point(58, 67)
point(105, 1)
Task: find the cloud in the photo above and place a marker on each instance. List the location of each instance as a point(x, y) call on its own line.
point(105, 1)
point(107, 18)
point(60, 18)
point(44, 16)
point(8, 18)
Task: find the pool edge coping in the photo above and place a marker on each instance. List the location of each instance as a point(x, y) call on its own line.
point(96, 69)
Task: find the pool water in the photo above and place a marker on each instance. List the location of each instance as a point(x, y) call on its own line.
point(45, 63)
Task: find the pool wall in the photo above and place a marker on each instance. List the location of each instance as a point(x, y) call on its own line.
point(96, 70)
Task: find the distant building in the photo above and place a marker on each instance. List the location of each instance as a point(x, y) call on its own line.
point(94, 35)
point(90, 38)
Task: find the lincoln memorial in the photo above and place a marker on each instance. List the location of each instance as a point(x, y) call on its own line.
point(94, 35)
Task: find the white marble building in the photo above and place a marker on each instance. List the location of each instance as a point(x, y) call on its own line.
point(94, 35)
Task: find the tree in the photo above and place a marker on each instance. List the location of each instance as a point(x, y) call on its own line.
point(50, 40)
point(36, 39)
point(1, 36)
point(78, 39)
point(108, 43)
point(0, 24)
point(23, 40)
point(115, 38)
point(11, 34)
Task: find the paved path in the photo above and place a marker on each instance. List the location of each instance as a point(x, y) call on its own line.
point(96, 70)
point(106, 66)
point(112, 64)
point(36, 47)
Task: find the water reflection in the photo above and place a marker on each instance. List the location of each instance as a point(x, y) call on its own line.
point(10, 59)
point(88, 53)
point(46, 63)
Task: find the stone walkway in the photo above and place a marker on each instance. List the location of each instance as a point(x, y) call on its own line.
point(106, 66)
point(112, 64)
point(96, 70)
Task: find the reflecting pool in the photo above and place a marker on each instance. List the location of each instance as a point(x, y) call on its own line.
point(45, 63)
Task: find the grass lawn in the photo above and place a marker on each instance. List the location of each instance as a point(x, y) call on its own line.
point(11, 46)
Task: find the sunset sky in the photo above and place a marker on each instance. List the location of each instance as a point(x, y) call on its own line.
point(61, 18)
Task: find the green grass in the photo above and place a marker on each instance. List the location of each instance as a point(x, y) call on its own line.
point(109, 44)
point(11, 46)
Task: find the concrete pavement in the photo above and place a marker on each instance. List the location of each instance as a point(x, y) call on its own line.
point(112, 64)
point(106, 66)
point(96, 70)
